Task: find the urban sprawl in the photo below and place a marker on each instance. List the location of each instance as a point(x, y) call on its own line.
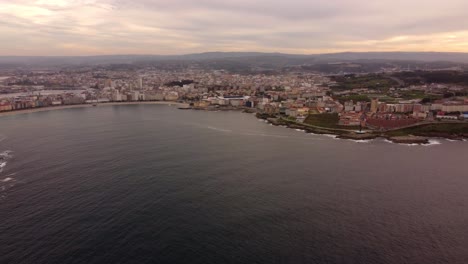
point(294, 97)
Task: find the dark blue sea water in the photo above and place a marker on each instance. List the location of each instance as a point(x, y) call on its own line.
point(154, 184)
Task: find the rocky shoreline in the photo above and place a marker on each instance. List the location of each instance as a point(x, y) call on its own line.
point(364, 136)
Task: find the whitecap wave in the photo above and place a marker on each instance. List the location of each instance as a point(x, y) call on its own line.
point(360, 140)
point(388, 141)
point(8, 179)
point(300, 130)
point(402, 144)
point(219, 129)
point(331, 136)
point(6, 154)
point(433, 142)
point(264, 135)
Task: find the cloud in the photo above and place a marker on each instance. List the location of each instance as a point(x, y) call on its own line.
point(86, 27)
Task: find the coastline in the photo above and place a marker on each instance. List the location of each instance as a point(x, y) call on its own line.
point(338, 133)
point(353, 135)
point(60, 107)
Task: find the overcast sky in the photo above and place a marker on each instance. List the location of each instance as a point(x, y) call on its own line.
point(92, 27)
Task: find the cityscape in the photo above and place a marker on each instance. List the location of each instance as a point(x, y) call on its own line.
point(384, 100)
point(233, 132)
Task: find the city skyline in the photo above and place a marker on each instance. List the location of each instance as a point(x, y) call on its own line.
point(106, 27)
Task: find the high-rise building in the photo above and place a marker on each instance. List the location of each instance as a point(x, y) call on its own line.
point(108, 83)
point(374, 105)
point(140, 83)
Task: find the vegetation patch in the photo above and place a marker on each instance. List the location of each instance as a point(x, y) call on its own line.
point(434, 130)
point(323, 120)
point(355, 98)
point(370, 81)
point(421, 77)
point(327, 121)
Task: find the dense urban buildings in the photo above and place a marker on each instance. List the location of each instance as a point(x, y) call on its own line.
point(295, 95)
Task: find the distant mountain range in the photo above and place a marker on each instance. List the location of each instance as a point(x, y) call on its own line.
point(247, 58)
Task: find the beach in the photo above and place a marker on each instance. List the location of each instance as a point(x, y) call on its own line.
point(60, 107)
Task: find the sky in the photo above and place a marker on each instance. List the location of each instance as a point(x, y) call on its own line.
point(100, 27)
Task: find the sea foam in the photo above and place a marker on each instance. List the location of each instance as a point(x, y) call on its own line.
point(433, 142)
point(219, 129)
point(331, 136)
point(361, 141)
point(6, 154)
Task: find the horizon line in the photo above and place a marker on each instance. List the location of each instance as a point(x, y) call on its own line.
point(208, 52)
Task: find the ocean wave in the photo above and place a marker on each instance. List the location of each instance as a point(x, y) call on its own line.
point(361, 140)
point(264, 135)
point(5, 185)
point(331, 136)
point(219, 129)
point(278, 136)
point(401, 144)
point(8, 179)
point(433, 142)
point(6, 154)
point(300, 130)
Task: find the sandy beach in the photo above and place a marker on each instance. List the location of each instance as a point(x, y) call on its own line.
point(51, 108)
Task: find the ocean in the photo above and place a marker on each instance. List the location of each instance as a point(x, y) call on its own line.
point(154, 184)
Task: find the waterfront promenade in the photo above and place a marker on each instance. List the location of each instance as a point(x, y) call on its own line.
point(60, 107)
